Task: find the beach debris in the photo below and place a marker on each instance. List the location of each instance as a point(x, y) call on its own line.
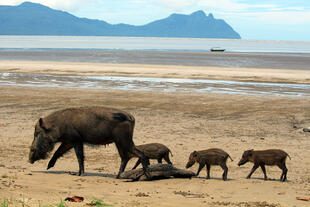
point(235, 204)
point(97, 202)
point(142, 195)
point(191, 195)
point(157, 171)
point(75, 199)
point(303, 198)
point(306, 129)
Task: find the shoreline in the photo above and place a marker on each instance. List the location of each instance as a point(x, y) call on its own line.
point(207, 51)
point(159, 71)
point(292, 61)
point(154, 84)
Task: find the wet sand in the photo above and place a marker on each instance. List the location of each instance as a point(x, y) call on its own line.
point(182, 121)
point(154, 84)
point(161, 71)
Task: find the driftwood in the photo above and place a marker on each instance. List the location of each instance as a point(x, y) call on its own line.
point(157, 171)
point(307, 129)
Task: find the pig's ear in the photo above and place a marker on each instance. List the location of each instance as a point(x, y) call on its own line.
point(195, 154)
point(44, 125)
point(251, 152)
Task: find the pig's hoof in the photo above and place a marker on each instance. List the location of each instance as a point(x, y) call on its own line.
point(81, 173)
point(50, 165)
point(76, 174)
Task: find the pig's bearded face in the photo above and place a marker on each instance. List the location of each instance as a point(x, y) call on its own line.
point(42, 143)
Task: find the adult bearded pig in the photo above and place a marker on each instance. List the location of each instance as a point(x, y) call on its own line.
point(92, 125)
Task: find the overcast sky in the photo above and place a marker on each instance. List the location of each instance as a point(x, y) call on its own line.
point(252, 19)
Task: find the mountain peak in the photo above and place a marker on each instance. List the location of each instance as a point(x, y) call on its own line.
point(28, 3)
point(210, 16)
point(198, 13)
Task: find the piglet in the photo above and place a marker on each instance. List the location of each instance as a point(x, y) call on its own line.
point(260, 158)
point(212, 156)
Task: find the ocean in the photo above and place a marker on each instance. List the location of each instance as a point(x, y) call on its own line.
point(150, 44)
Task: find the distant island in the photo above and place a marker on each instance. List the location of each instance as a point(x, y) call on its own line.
point(36, 19)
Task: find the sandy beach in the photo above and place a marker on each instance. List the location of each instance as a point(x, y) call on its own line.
point(182, 121)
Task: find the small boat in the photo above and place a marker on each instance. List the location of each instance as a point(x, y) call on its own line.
point(217, 49)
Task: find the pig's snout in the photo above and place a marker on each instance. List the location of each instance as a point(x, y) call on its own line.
point(189, 164)
point(241, 162)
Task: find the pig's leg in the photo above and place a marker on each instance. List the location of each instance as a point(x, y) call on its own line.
point(225, 168)
point(284, 172)
point(62, 149)
point(199, 169)
point(124, 162)
point(160, 160)
point(145, 161)
point(208, 167)
point(166, 158)
point(252, 171)
point(79, 152)
point(264, 171)
point(137, 163)
point(123, 152)
point(123, 134)
point(282, 166)
point(125, 158)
